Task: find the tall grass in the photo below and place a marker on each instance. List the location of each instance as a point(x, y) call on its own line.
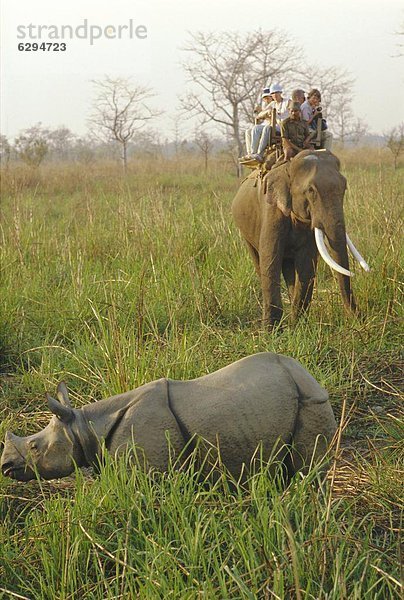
point(110, 282)
point(128, 535)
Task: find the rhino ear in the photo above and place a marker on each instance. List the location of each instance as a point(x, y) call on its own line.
point(277, 189)
point(64, 413)
point(63, 395)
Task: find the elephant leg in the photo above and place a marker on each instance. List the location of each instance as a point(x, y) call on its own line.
point(305, 265)
point(270, 253)
point(288, 270)
point(255, 257)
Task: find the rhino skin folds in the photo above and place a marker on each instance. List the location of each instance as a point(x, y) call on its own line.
point(265, 399)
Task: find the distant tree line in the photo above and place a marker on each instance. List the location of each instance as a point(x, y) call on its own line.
point(226, 73)
point(38, 144)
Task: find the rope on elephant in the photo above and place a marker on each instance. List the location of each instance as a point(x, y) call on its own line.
point(256, 174)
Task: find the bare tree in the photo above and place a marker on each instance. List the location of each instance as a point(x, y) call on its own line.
point(332, 82)
point(177, 120)
point(84, 152)
point(205, 145)
point(148, 142)
point(32, 145)
point(120, 111)
point(336, 87)
point(395, 142)
point(358, 130)
point(345, 126)
point(61, 142)
point(228, 71)
point(5, 150)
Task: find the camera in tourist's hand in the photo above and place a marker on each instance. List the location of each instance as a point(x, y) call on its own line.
point(319, 109)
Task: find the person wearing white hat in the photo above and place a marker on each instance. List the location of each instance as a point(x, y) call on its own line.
point(253, 134)
point(279, 103)
point(259, 143)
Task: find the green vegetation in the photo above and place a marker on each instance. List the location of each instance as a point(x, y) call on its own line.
point(109, 282)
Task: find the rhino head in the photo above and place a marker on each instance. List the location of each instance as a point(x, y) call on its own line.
point(53, 452)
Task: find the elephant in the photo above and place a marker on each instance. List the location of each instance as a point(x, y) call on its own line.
point(264, 399)
point(283, 217)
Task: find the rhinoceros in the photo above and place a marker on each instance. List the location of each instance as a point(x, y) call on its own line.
point(265, 398)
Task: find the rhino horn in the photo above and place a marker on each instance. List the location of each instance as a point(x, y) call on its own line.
point(63, 395)
point(64, 413)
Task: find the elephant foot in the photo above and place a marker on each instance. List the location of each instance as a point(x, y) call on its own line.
point(273, 324)
point(296, 314)
point(352, 309)
point(356, 314)
point(294, 317)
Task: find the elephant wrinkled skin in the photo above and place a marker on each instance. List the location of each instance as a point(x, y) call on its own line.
point(277, 217)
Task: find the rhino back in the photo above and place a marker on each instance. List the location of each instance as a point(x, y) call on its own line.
point(251, 401)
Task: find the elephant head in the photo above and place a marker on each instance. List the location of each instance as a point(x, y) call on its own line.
point(310, 190)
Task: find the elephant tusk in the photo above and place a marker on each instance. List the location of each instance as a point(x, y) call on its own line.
point(356, 254)
point(319, 236)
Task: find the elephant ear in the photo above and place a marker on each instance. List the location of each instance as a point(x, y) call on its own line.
point(277, 189)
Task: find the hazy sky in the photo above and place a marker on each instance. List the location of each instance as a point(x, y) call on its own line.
point(55, 88)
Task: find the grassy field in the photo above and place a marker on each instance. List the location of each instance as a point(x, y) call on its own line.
point(109, 282)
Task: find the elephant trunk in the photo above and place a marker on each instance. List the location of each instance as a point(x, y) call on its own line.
point(344, 281)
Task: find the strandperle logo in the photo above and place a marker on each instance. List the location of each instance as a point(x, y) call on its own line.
point(84, 31)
